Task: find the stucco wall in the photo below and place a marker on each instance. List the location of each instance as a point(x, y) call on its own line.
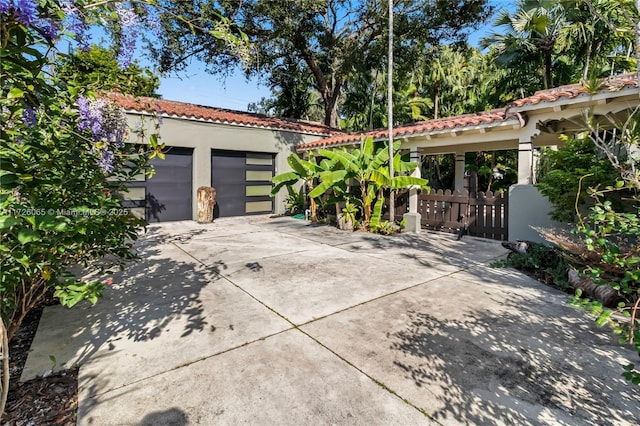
point(204, 137)
point(529, 209)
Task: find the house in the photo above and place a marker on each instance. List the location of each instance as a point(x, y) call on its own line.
point(239, 152)
point(525, 124)
point(235, 152)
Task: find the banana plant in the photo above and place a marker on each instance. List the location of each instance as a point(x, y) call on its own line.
point(369, 167)
point(301, 170)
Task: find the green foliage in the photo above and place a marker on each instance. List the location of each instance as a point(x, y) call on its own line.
point(369, 166)
point(302, 170)
point(494, 171)
point(545, 44)
point(542, 261)
point(350, 212)
point(295, 201)
point(61, 176)
point(98, 69)
point(329, 40)
point(559, 172)
point(612, 237)
point(384, 228)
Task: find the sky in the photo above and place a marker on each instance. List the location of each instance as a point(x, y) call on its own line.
point(235, 92)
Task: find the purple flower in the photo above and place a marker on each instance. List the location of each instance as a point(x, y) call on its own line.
point(91, 116)
point(25, 11)
point(77, 24)
point(5, 5)
point(50, 28)
point(128, 35)
point(106, 161)
point(85, 113)
point(29, 116)
point(153, 20)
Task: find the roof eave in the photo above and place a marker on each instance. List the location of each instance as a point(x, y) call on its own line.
point(223, 122)
point(510, 122)
point(575, 101)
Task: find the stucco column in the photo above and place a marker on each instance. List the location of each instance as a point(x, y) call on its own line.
point(413, 218)
point(525, 160)
point(459, 172)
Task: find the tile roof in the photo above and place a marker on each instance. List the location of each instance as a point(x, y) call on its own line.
point(219, 115)
point(612, 84)
point(502, 115)
point(442, 124)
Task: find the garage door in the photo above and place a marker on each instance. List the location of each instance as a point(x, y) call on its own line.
point(242, 181)
point(167, 195)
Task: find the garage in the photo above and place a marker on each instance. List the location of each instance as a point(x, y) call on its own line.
point(242, 181)
point(167, 196)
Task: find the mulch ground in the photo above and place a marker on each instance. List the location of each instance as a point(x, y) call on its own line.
point(51, 400)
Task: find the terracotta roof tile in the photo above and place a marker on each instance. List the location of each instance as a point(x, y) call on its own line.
point(449, 123)
point(613, 84)
point(219, 115)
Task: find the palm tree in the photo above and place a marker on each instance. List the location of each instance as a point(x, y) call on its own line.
point(533, 34)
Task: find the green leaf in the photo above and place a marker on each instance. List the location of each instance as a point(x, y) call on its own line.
point(8, 221)
point(15, 92)
point(28, 235)
point(376, 214)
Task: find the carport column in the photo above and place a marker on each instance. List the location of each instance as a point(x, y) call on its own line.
point(525, 160)
point(459, 174)
point(413, 218)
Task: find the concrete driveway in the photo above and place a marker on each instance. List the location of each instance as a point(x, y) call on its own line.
point(274, 321)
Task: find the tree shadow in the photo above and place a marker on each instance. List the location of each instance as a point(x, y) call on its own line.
point(522, 365)
point(170, 417)
point(159, 294)
point(425, 248)
point(153, 208)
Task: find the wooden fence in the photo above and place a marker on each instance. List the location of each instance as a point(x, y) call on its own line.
point(483, 215)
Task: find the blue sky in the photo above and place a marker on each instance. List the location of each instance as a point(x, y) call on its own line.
point(235, 92)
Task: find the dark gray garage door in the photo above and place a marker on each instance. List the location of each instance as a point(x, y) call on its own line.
point(242, 181)
point(167, 195)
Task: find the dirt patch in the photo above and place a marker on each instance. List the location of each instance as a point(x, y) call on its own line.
point(43, 400)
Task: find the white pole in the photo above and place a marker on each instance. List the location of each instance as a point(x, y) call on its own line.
point(392, 209)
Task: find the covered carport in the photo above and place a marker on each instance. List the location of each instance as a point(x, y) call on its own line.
point(526, 124)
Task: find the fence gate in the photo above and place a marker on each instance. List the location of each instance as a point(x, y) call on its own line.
point(483, 214)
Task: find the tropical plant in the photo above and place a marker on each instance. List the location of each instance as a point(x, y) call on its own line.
point(301, 170)
point(612, 236)
point(295, 201)
point(349, 214)
point(368, 166)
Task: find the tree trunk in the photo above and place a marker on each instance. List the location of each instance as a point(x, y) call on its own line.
point(608, 296)
point(330, 111)
point(373, 97)
point(206, 201)
point(585, 71)
point(4, 383)
point(365, 206)
point(548, 76)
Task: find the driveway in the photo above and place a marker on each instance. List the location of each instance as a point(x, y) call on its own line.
point(275, 321)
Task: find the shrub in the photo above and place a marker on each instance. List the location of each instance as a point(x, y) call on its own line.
point(559, 172)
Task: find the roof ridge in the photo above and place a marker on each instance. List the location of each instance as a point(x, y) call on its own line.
point(187, 109)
